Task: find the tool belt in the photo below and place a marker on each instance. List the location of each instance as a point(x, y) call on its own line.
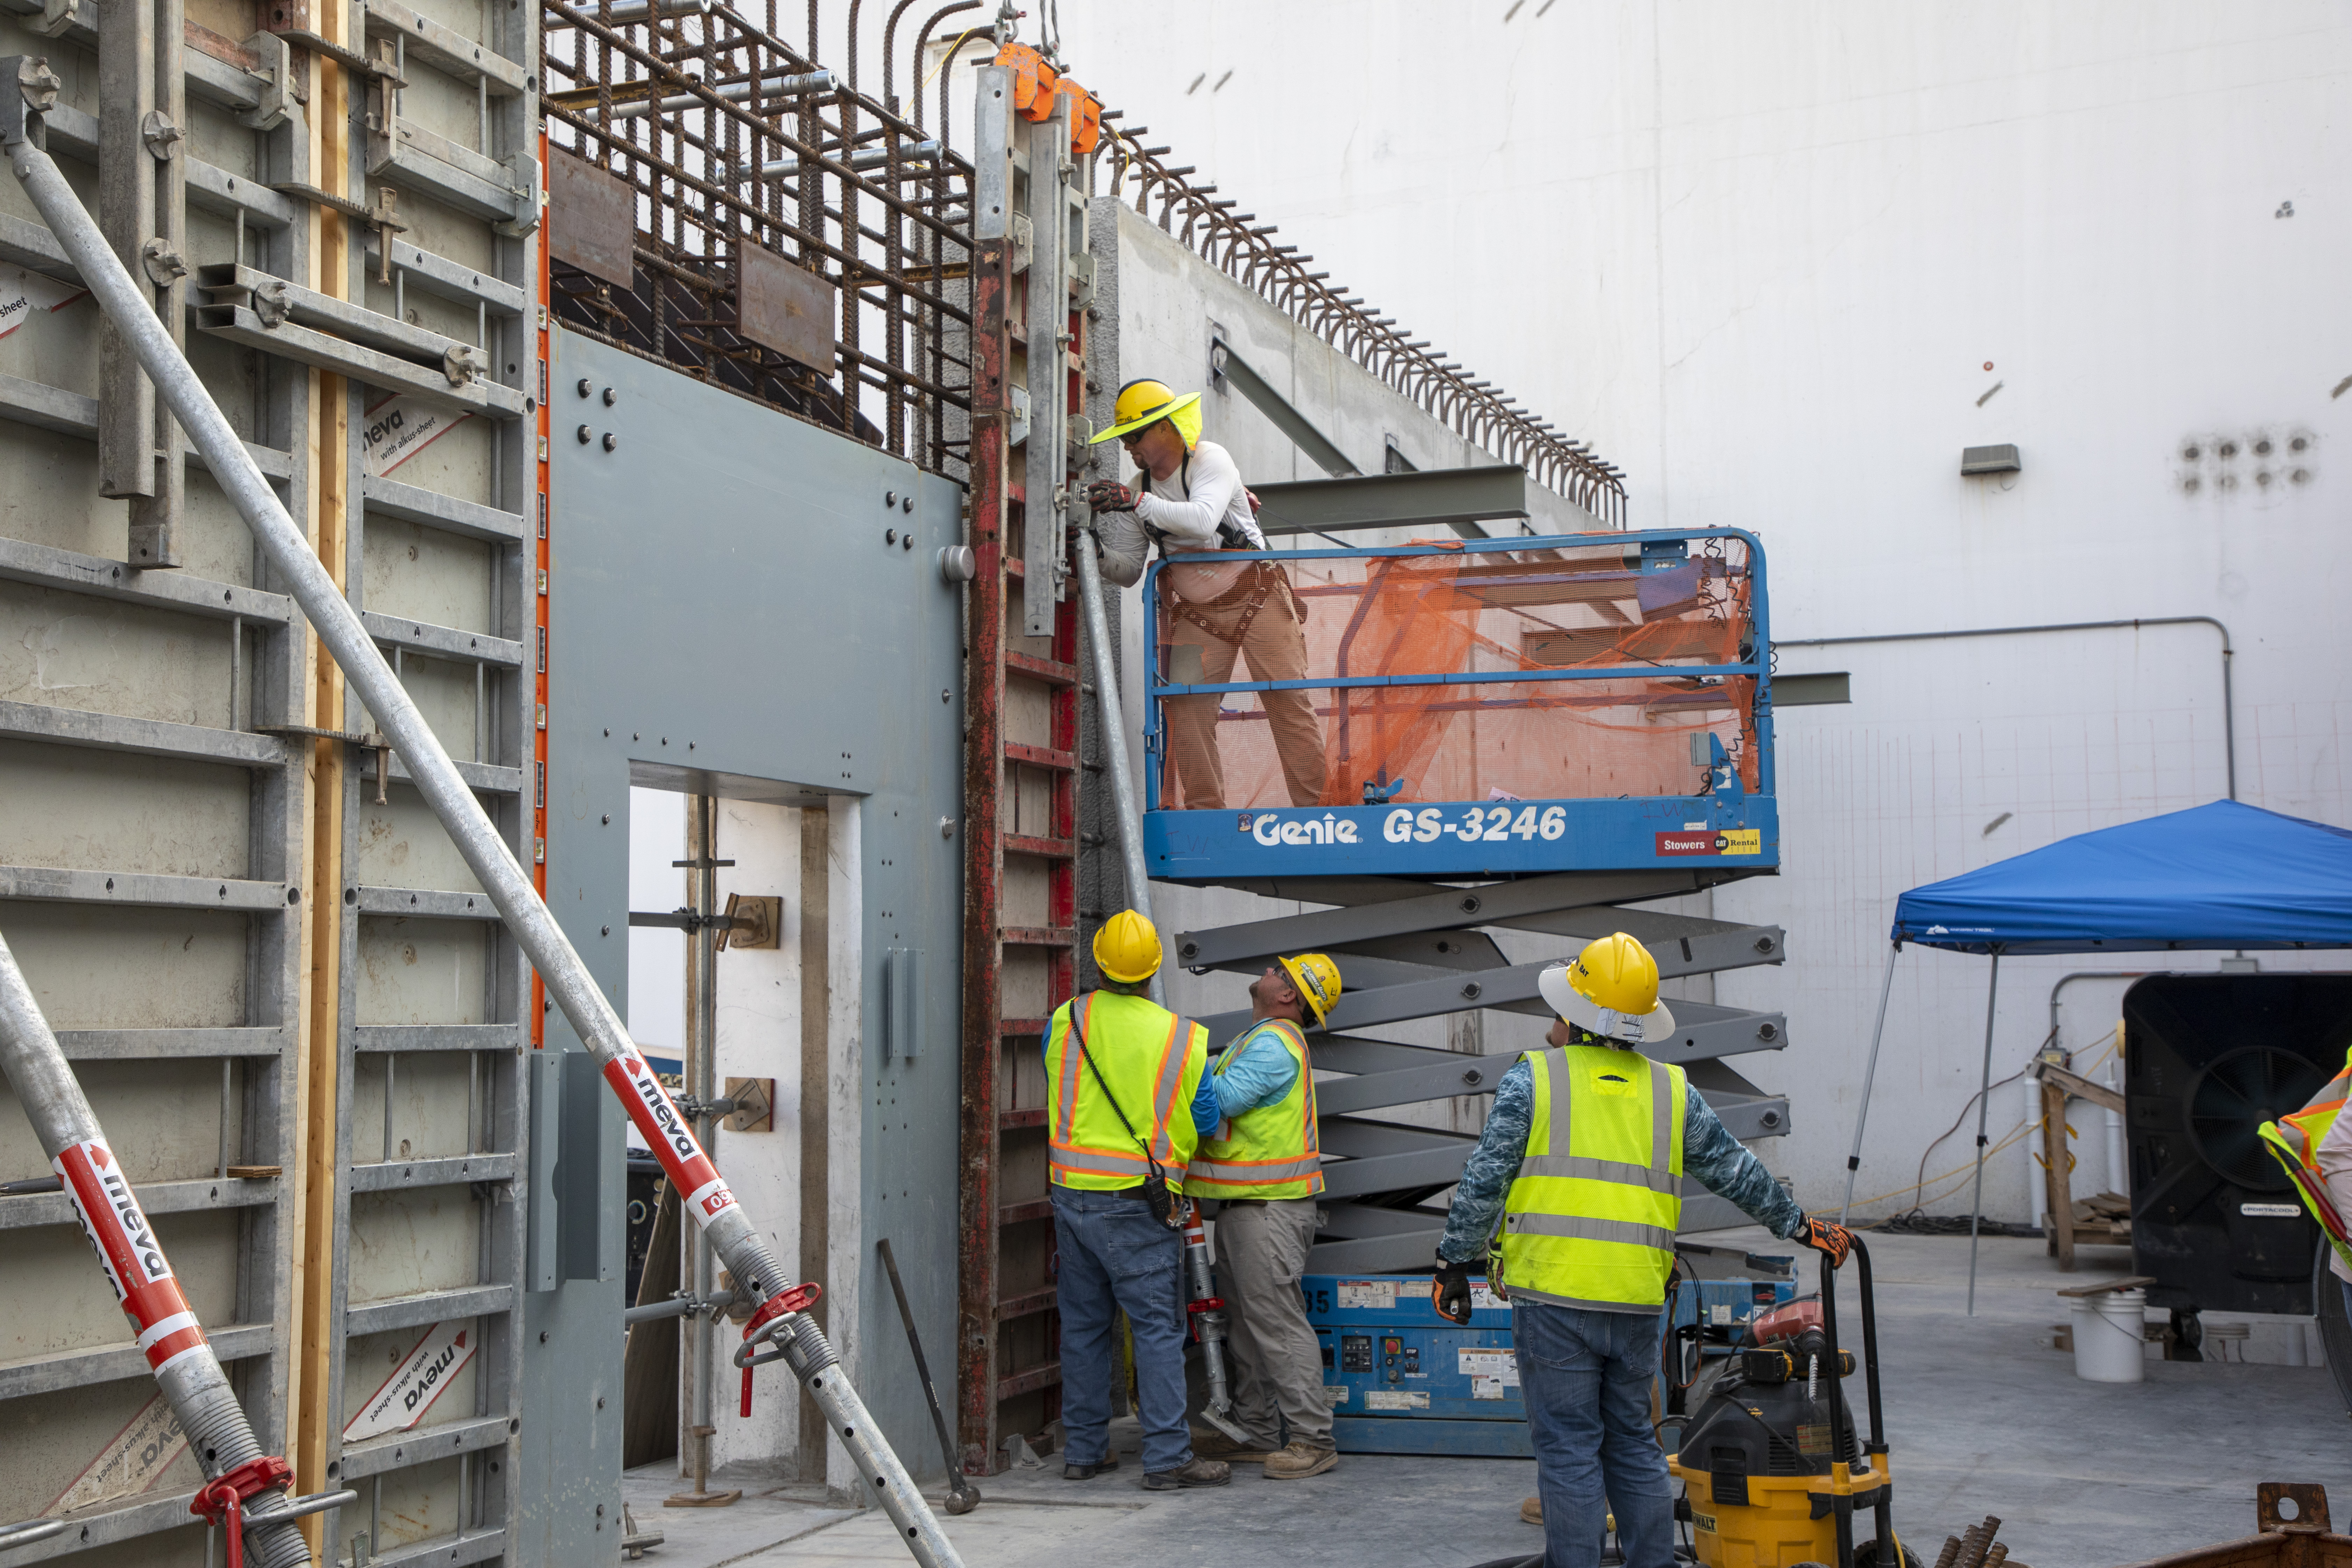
point(1250, 591)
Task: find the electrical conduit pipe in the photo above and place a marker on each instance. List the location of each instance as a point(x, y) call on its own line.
point(26, 88)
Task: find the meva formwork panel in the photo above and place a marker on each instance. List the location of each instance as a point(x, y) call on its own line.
point(256, 946)
point(747, 605)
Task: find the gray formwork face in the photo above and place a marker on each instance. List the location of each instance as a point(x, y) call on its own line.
point(150, 845)
point(728, 618)
point(134, 708)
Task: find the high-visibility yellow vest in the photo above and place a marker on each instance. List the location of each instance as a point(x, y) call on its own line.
point(1590, 1221)
point(1152, 1061)
point(2294, 1142)
point(1268, 1152)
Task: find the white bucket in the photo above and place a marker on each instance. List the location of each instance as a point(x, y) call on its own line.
point(2109, 1344)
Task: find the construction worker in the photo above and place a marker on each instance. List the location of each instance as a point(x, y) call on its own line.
point(1129, 1101)
point(1264, 1165)
point(2315, 1146)
point(1194, 505)
point(1581, 1161)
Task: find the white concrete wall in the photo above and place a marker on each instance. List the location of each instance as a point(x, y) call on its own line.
point(1781, 265)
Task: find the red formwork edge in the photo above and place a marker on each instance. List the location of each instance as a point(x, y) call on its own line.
point(996, 502)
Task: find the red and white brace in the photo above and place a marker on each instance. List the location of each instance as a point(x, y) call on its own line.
point(648, 1105)
point(127, 1249)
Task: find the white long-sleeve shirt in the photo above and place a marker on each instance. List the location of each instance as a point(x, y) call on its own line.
point(1183, 511)
point(2334, 1157)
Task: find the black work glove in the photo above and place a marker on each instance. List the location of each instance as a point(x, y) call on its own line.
point(1829, 1238)
point(1109, 495)
point(1449, 1290)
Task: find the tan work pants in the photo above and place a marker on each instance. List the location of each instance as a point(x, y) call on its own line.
point(1278, 1371)
point(1275, 647)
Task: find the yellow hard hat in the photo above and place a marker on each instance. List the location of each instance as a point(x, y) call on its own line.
point(1141, 403)
point(1127, 947)
point(1316, 980)
point(1610, 989)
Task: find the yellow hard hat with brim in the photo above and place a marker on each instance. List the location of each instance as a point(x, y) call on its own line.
point(1127, 947)
point(1144, 401)
point(1610, 989)
point(1316, 979)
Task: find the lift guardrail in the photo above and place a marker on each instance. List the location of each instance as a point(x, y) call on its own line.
point(1470, 708)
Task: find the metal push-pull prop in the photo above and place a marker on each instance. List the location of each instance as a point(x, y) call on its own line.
point(243, 1485)
point(1122, 781)
point(27, 88)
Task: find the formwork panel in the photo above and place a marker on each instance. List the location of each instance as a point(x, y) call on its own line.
point(421, 971)
point(403, 1244)
point(72, 650)
point(99, 967)
point(76, 1309)
point(429, 574)
point(78, 1423)
point(401, 844)
point(86, 809)
point(163, 1116)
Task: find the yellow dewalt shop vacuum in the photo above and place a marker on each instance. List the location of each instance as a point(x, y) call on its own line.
point(1771, 1466)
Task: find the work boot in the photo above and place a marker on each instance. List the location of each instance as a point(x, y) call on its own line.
point(1215, 1445)
point(1088, 1472)
point(1531, 1509)
point(1193, 1472)
point(1298, 1461)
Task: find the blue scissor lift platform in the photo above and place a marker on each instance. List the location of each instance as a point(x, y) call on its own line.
point(1538, 734)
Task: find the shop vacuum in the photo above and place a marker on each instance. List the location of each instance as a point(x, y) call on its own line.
point(1772, 1466)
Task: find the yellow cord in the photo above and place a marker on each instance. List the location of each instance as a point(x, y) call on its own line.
point(2013, 1134)
point(950, 55)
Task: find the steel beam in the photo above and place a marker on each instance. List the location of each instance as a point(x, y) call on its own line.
point(1442, 498)
point(1320, 448)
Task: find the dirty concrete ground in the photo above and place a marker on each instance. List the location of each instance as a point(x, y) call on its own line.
point(1981, 1419)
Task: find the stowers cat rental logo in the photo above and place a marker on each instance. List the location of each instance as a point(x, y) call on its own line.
point(1705, 840)
point(1272, 828)
point(423, 1375)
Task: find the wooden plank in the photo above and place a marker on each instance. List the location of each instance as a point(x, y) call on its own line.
point(2129, 1282)
point(2057, 1175)
point(2081, 1087)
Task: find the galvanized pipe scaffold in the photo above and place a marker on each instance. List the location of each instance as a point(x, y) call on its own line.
point(27, 89)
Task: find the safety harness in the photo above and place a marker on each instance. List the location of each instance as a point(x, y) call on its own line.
point(1250, 591)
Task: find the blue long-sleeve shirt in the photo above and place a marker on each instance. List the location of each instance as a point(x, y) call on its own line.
point(1709, 1153)
point(1256, 1069)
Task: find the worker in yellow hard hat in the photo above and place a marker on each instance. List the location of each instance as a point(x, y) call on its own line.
point(1580, 1163)
point(1190, 501)
point(1264, 1164)
point(1128, 1100)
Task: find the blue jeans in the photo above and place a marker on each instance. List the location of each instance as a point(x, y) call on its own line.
point(1114, 1254)
point(1586, 1378)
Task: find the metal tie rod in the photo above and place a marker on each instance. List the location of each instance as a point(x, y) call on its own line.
point(144, 1286)
point(1114, 729)
point(733, 93)
point(912, 153)
point(27, 87)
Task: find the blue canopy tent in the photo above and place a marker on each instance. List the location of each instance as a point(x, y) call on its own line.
point(2226, 876)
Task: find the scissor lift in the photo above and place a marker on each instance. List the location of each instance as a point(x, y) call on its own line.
point(1538, 734)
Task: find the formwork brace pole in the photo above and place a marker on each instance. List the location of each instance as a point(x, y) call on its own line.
point(185, 1368)
point(1869, 1075)
point(1122, 778)
point(26, 88)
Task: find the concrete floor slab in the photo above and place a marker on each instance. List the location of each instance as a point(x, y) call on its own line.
point(1981, 1419)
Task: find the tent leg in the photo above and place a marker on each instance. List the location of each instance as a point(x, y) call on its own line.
point(1984, 1109)
point(1869, 1074)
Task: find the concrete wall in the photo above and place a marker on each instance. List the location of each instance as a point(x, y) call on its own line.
point(1781, 265)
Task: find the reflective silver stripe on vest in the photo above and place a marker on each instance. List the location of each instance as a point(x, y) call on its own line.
point(1578, 1228)
point(1283, 1171)
point(1100, 1165)
point(1521, 1293)
point(1579, 1167)
point(1662, 1128)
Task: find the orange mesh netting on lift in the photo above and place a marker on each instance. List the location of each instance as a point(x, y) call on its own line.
point(1582, 607)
